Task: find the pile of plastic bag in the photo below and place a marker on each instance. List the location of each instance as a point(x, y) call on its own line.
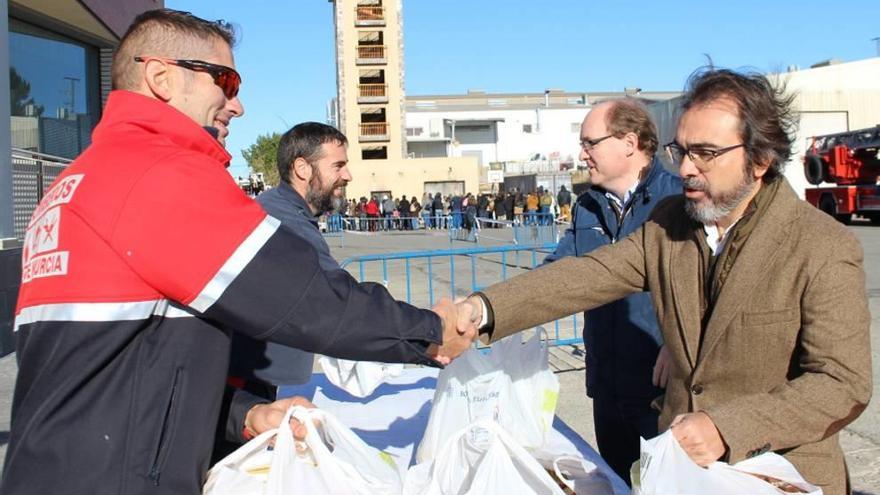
point(489, 424)
point(487, 434)
point(491, 414)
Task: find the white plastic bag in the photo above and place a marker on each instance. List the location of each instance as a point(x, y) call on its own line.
point(666, 469)
point(351, 468)
point(512, 385)
point(582, 476)
point(480, 459)
point(243, 472)
point(358, 378)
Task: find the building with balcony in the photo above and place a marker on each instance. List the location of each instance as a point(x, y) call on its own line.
point(370, 107)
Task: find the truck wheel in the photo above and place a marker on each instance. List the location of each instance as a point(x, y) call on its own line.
point(829, 205)
point(814, 169)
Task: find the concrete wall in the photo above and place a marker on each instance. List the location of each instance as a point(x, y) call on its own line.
point(554, 132)
point(409, 176)
point(427, 149)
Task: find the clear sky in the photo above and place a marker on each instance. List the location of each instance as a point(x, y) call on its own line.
point(287, 60)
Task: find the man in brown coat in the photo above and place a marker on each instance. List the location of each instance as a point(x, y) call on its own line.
point(760, 296)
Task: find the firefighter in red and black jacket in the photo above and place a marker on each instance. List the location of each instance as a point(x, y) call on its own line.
point(141, 260)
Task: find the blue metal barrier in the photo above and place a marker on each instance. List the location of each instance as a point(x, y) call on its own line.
point(335, 227)
point(441, 273)
point(536, 229)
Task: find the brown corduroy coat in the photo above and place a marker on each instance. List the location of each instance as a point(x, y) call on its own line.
point(784, 361)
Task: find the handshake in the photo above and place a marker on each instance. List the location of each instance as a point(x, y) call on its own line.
point(461, 321)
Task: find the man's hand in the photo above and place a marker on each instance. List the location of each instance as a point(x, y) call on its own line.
point(470, 310)
point(698, 436)
point(458, 332)
point(661, 368)
point(264, 417)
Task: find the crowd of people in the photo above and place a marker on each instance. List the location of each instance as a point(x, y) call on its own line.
point(436, 211)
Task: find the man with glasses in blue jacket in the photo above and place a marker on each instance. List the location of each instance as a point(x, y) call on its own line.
point(622, 338)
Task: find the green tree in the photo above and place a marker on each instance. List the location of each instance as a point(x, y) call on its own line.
point(261, 155)
point(20, 95)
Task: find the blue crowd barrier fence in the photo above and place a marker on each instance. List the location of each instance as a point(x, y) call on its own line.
point(422, 277)
point(529, 229)
point(335, 227)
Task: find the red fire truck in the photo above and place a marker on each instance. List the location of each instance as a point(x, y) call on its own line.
point(851, 161)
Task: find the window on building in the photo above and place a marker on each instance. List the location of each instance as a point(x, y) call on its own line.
point(370, 38)
point(54, 85)
point(374, 153)
point(414, 131)
point(527, 128)
point(372, 76)
point(373, 114)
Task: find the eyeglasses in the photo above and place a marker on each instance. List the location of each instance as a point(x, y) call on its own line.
point(589, 144)
point(225, 77)
point(701, 157)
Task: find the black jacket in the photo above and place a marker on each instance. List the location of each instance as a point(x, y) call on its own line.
point(124, 316)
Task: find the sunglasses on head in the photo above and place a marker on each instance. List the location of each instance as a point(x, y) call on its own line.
point(225, 77)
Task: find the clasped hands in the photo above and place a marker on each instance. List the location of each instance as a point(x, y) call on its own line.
point(461, 320)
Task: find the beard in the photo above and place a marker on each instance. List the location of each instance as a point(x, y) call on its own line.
point(717, 207)
point(319, 197)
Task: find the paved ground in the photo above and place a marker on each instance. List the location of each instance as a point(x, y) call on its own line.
point(860, 440)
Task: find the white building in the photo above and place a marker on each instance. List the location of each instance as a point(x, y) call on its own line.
point(525, 133)
point(831, 97)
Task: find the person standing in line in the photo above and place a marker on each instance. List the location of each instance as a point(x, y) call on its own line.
point(563, 199)
point(437, 211)
point(415, 212)
point(404, 213)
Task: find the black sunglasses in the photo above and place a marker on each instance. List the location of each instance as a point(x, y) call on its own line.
point(227, 78)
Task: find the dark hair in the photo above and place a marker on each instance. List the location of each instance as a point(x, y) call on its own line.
point(166, 33)
point(630, 115)
point(767, 120)
point(304, 141)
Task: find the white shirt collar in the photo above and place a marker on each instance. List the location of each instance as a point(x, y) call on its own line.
point(626, 197)
point(717, 243)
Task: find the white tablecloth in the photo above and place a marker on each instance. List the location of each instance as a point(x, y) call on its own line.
point(394, 417)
